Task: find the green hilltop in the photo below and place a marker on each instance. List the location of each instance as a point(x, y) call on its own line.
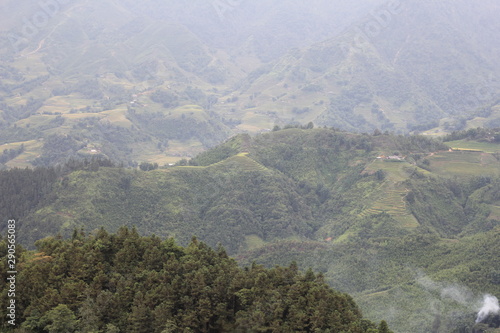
point(381, 216)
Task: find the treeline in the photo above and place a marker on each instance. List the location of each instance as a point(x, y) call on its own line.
point(126, 283)
point(13, 113)
point(9, 154)
point(24, 189)
point(479, 133)
point(222, 204)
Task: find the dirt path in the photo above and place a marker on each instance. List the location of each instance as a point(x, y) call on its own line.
point(40, 44)
point(396, 57)
point(38, 49)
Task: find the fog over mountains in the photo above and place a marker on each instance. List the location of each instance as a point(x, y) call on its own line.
point(279, 129)
point(245, 66)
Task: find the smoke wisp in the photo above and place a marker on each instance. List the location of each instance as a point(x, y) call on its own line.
point(490, 306)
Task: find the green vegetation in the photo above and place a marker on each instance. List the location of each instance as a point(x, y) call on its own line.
point(127, 283)
point(9, 154)
point(394, 220)
point(466, 145)
point(172, 91)
point(328, 200)
point(491, 135)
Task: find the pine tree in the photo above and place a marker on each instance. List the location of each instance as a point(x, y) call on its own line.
point(383, 327)
point(60, 320)
point(139, 319)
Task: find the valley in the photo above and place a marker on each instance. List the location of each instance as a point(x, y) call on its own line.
point(359, 140)
point(374, 223)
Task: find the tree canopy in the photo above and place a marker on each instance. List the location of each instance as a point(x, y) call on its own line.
point(103, 282)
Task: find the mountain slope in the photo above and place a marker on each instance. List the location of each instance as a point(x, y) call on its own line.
point(402, 68)
point(377, 224)
point(228, 68)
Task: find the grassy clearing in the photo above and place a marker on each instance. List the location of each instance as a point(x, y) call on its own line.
point(474, 145)
point(253, 242)
point(32, 149)
point(191, 110)
point(77, 116)
point(462, 163)
point(64, 104)
point(255, 122)
point(243, 163)
point(495, 213)
point(177, 150)
point(35, 121)
point(160, 158)
point(188, 148)
point(34, 63)
point(118, 117)
point(396, 171)
point(344, 237)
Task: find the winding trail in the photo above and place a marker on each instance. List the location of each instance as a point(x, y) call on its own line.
point(40, 44)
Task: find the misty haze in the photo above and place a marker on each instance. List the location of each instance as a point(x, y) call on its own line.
point(356, 138)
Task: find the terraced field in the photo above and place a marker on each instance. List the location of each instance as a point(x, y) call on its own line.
point(391, 200)
point(33, 149)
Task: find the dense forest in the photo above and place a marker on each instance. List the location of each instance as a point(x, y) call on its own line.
point(127, 283)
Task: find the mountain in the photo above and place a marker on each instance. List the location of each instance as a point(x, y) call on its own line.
point(410, 66)
point(385, 218)
point(90, 90)
point(162, 81)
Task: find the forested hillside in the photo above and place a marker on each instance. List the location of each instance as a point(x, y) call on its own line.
point(399, 222)
point(126, 283)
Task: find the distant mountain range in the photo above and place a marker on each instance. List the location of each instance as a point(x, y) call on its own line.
point(177, 77)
